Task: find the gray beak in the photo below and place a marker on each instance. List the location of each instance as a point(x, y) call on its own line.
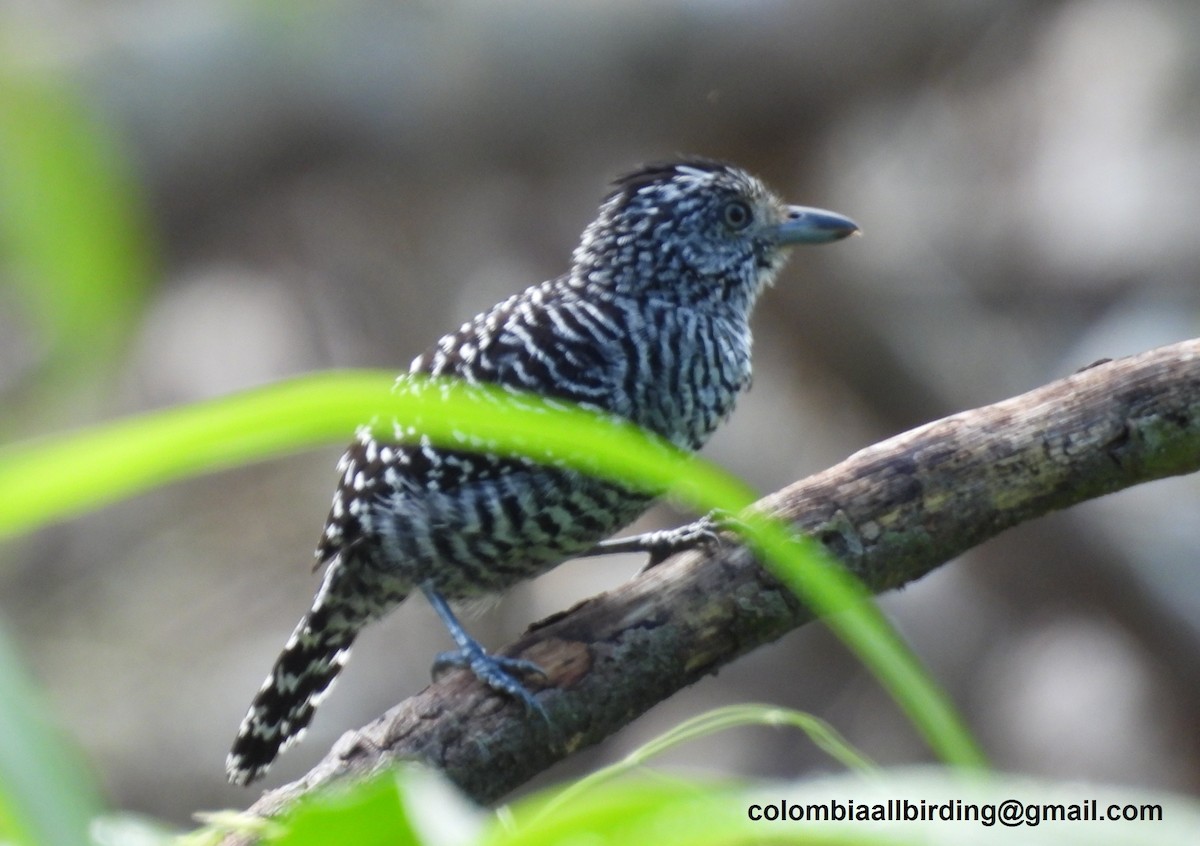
point(804, 225)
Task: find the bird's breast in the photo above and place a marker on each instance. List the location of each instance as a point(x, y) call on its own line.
point(691, 373)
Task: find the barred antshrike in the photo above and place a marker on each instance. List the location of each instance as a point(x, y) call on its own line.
point(650, 323)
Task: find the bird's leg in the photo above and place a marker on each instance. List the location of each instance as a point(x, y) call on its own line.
point(496, 671)
point(662, 544)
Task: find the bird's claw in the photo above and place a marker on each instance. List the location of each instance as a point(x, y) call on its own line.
point(704, 532)
point(498, 672)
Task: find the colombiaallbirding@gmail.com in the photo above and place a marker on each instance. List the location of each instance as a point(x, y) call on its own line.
point(651, 323)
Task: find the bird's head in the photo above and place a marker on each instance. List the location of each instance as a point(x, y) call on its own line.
point(696, 231)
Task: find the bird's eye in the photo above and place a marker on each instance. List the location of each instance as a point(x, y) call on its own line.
point(737, 215)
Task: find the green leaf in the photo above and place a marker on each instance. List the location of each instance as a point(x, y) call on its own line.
point(46, 797)
point(52, 478)
point(926, 805)
point(71, 221)
point(403, 807)
point(677, 813)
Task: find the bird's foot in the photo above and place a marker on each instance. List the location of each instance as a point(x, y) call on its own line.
point(661, 545)
point(498, 672)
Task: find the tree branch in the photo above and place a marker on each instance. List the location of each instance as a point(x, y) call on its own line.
point(892, 513)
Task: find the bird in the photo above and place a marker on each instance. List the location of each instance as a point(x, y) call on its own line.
point(651, 323)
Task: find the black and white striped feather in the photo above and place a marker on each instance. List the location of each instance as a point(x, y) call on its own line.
point(650, 324)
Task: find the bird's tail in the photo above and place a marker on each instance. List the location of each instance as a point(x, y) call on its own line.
point(302, 675)
point(284, 705)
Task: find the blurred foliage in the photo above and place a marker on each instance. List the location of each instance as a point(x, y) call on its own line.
point(75, 242)
point(822, 735)
point(46, 795)
point(73, 247)
point(695, 813)
point(412, 805)
point(48, 479)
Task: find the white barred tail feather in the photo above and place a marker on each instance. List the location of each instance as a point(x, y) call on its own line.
point(650, 323)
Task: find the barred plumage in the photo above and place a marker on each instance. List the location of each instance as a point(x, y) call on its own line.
point(651, 324)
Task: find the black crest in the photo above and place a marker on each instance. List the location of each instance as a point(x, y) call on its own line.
point(652, 173)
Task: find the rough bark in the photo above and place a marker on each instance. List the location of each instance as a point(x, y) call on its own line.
point(892, 513)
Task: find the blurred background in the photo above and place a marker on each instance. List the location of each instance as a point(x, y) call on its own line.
point(257, 190)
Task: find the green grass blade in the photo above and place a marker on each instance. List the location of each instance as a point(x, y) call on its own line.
point(710, 722)
point(57, 476)
point(54, 478)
